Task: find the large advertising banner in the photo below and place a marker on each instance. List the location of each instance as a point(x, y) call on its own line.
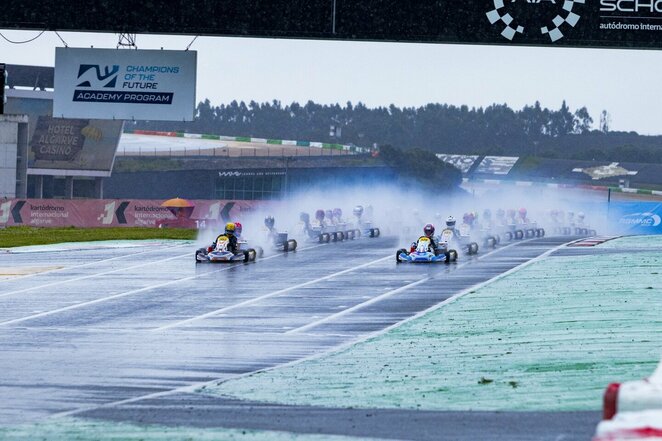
point(114, 212)
point(73, 144)
point(153, 85)
point(636, 217)
point(462, 162)
point(497, 165)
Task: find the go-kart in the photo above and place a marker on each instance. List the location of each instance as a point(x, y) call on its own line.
point(221, 254)
point(281, 242)
point(421, 253)
point(464, 239)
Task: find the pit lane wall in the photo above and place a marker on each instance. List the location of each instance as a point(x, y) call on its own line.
point(112, 212)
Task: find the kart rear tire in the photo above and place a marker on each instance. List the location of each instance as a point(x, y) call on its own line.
point(377, 232)
point(509, 236)
point(252, 254)
point(327, 238)
point(541, 232)
point(593, 233)
point(247, 256)
point(519, 234)
point(451, 256)
point(372, 232)
point(340, 235)
point(321, 238)
point(291, 245)
point(350, 234)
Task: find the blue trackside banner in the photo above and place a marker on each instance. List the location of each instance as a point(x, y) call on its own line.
point(636, 217)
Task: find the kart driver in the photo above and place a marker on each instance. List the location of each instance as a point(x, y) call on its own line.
point(232, 239)
point(428, 230)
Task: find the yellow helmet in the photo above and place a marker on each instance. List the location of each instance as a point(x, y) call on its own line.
point(230, 227)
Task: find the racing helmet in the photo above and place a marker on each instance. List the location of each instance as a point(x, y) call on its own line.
point(500, 212)
point(581, 215)
point(328, 214)
point(487, 213)
point(358, 210)
point(230, 228)
point(269, 221)
point(468, 218)
point(319, 215)
point(303, 217)
point(237, 228)
point(337, 213)
point(450, 221)
point(522, 212)
point(428, 230)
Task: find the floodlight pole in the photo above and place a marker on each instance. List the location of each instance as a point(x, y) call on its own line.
point(333, 30)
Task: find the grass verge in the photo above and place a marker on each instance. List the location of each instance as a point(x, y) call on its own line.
point(24, 236)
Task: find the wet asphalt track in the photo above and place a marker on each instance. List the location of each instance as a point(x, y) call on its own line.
point(142, 324)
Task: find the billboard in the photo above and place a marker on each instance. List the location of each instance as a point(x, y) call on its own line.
point(636, 217)
point(73, 144)
point(579, 23)
point(462, 162)
point(152, 85)
point(99, 213)
point(497, 165)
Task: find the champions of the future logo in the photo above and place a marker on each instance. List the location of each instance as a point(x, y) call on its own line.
point(525, 17)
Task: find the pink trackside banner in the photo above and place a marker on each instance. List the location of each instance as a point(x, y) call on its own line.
point(113, 212)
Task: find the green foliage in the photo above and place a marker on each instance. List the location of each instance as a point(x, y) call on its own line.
point(22, 236)
point(421, 166)
point(441, 128)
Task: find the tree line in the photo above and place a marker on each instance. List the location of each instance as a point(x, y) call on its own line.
point(440, 128)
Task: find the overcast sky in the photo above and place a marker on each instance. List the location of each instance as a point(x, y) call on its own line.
point(628, 84)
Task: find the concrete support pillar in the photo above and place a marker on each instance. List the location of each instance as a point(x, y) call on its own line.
point(69, 187)
point(98, 188)
point(39, 187)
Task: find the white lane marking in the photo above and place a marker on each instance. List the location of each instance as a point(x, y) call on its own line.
point(355, 307)
point(91, 276)
point(134, 291)
point(95, 262)
point(194, 387)
point(385, 295)
point(266, 296)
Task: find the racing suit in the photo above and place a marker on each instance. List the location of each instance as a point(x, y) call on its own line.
point(232, 243)
point(433, 244)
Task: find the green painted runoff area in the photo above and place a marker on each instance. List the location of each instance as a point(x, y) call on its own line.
point(548, 337)
point(68, 429)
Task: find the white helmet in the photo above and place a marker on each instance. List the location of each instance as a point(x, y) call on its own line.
point(358, 210)
point(450, 221)
point(581, 215)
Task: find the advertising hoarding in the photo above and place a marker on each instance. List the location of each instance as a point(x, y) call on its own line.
point(73, 144)
point(497, 165)
point(151, 85)
point(462, 162)
point(114, 212)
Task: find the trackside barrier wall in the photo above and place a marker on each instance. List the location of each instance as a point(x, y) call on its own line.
point(112, 212)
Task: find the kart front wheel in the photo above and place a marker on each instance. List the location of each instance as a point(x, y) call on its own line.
point(397, 254)
point(509, 236)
